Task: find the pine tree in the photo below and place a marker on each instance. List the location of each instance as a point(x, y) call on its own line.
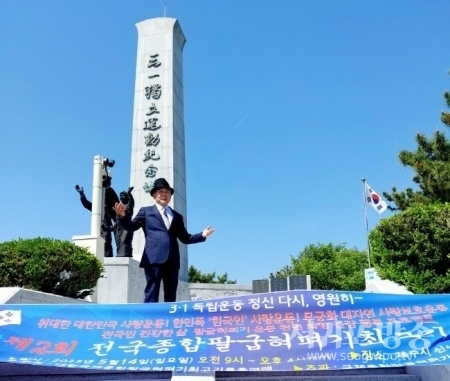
point(431, 164)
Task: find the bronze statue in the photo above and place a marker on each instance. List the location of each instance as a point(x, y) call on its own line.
point(124, 238)
point(109, 215)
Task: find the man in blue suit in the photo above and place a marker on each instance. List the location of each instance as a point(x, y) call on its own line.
point(162, 227)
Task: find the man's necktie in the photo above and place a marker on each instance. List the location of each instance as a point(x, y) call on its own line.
point(166, 218)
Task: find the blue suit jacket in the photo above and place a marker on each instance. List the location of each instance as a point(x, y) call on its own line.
point(161, 244)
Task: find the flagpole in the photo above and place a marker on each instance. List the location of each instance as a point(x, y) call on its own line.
point(367, 220)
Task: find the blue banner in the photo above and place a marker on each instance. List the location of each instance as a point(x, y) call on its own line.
point(292, 330)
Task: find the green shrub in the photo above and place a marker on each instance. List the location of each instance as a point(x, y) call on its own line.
point(49, 265)
point(331, 267)
point(412, 248)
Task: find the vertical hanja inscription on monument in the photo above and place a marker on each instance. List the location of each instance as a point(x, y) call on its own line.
point(158, 146)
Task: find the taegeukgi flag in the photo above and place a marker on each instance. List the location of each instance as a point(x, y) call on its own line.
point(374, 199)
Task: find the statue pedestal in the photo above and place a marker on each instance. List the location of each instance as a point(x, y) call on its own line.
point(94, 243)
point(124, 282)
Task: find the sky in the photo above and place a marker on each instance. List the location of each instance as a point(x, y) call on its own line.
point(288, 105)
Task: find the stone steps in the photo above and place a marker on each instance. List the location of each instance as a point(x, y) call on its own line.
point(366, 377)
point(373, 374)
point(15, 372)
point(147, 377)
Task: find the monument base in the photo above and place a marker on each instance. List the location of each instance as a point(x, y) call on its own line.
point(94, 243)
point(124, 282)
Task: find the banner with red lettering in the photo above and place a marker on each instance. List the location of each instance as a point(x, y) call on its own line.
point(290, 330)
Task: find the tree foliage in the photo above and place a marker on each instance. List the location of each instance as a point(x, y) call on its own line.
point(431, 165)
point(412, 248)
point(49, 265)
point(331, 267)
point(196, 276)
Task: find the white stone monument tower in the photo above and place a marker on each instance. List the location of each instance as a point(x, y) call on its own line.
point(158, 146)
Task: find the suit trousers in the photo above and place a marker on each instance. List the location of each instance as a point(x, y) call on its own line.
point(153, 275)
